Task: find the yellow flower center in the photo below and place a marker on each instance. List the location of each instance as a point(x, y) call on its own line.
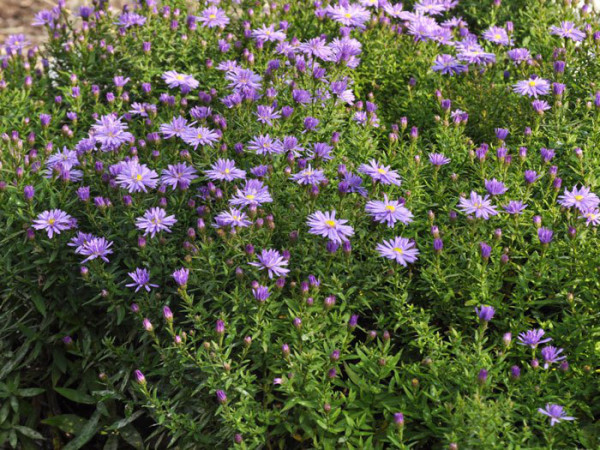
point(139, 178)
point(478, 205)
point(390, 208)
point(532, 83)
point(51, 221)
point(179, 77)
point(398, 250)
point(227, 171)
point(382, 171)
point(199, 136)
point(212, 16)
point(347, 15)
point(497, 36)
point(268, 33)
point(236, 217)
point(330, 223)
point(579, 197)
point(250, 197)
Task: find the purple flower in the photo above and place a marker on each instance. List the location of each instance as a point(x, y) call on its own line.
point(213, 17)
point(254, 193)
point(531, 176)
point(533, 338)
point(519, 55)
point(352, 183)
point(592, 216)
point(326, 225)
point(485, 250)
point(261, 293)
point(221, 397)
point(497, 35)
point(180, 80)
point(551, 355)
point(539, 106)
point(568, 30)
point(224, 169)
point(480, 206)
point(515, 207)
point(243, 80)
point(316, 47)
point(129, 19)
point(545, 235)
point(175, 128)
point(381, 173)
point(139, 377)
point(448, 65)
point(485, 313)
point(581, 198)
point(154, 221)
point(181, 276)
point(96, 248)
point(232, 218)
point(199, 136)
point(349, 15)
point(309, 176)
point(556, 413)
point(265, 145)
point(390, 211)
point(136, 177)
point(178, 175)
point(272, 262)
point(110, 132)
point(141, 279)
point(532, 87)
point(438, 159)
point(495, 187)
point(54, 221)
point(400, 249)
point(268, 34)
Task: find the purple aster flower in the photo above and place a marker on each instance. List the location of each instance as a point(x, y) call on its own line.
point(480, 206)
point(309, 176)
point(232, 218)
point(539, 106)
point(592, 216)
point(62, 163)
point(532, 87)
point(581, 198)
point(316, 47)
point(547, 154)
point(390, 211)
point(497, 35)
point(154, 221)
point(272, 262)
point(320, 150)
point(224, 169)
point(515, 207)
point(551, 355)
point(268, 34)
point(438, 159)
point(485, 313)
point(291, 145)
point(54, 221)
point(45, 18)
point(495, 187)
point(519, 55)
point(261, 293)
point(141, 279)
point(130, 19)
point(213, 17)
point(349, 15)
point(265, 145)
point(556, 413)
point(568, 30)
point(180, 80)
point(345, 51)
point(266, 114)
point(545, 235)
point(531, 176)
point(175, 128)
point(448, 65)
point(352, 183)
point(400, 249)
point(15, 43)
point(379, 172)
point(254, 193)
point(243, 80)
point(96, 248)
point(110, 132)
point(430, 7)
point(181, 276)
point(80, 240)
point(326, 225)
point(476, 55)
point(199, 136)
point(221, 397)
point(533, 338)
point(178, 175)
point(136, 177)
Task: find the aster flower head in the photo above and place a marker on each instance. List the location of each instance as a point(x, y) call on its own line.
point(519, 55)
point(199, 136)
point(568, 30)
point(243, 80)
point(352, 183)
point(224, 169)
point(272, 262)
point(533, 338)
point(53, 221)
point(581, 198)
point(178, 176)
point(497, 35)
point(234, 218)
point(389, 211)
point(551, 355)
point(556, 413)
point(402, 250)
point(349, 15)
point(154, 221)
point(141, 279)
point(592, 216)
point(174, 128)
point(265, 145)
point(495, 187)
point(110, 132)
point(213, 17)
point(181, 276)
point(515, 207)
point(438, 159)
point(448, 65)
point(478, 205)
point(268, 34)
point(309, 176)
point(545, 235)
point(136, 177)
point(485, 313)
point(380, 172)
point(266, 114)
point(180, 80)
point(129, 19)
point(326, 225)
point(316, 47)
point(532, 87)
point(96, 248)
point(254, 193)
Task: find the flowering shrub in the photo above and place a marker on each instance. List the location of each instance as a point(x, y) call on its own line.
point(295, 225)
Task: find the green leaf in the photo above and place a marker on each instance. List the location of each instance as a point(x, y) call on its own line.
point(87, 432)
point(29, 432)
point(126, 421)
point(132, 436)
point(69, 423)
point(30, 392)
point(75, 396)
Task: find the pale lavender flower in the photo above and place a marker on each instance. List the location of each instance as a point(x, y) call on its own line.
point(480, 206)
point(533, 338)
point(175, 128)
point(96, 248)
point(497, 35)
point(130, 19)
point(568, 30)
point(136, 177)
point(178, 175)
point(389, 211)
point(181, 276)
point(400, 249)
point(380, 172)
point(232, 218)
point(141, 279)
point(110, 132)
point(254, 193)
point(495, 187)
point(438, 159)
point(515, 207)
point(326, 225)
point(592, 216)
point(199, 136)
point(551, 355)
point(352, 15)
point(581, 198)
point(224, 169)
point(53, 221)
point(272, 262)
point(532, 87)
point(154, 221)
point(556, 413)
point(213, 17)
point(268, 34)
point(448, 65)
point(180, 80)
point(309, 176)
point(265, 145)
